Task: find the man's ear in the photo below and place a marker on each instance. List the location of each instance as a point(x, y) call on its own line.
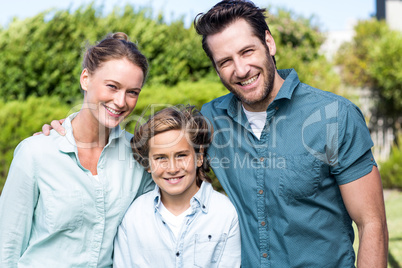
point(84, 79)
point(269, 40)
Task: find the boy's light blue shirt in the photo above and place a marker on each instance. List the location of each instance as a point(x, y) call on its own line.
point(285, 185)
point(54, 213)
point(209, 237)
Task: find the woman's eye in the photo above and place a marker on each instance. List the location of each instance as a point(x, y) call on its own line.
point(111, 86)
point(133, 93)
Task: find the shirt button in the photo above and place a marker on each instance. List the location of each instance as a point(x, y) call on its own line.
point(265, 255)
point(263, 223)
point(260, 191)
point(177, 254)
point(277, 108)
point(261, 159)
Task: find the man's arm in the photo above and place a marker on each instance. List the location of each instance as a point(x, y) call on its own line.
point(364, 201)
point(56, 125)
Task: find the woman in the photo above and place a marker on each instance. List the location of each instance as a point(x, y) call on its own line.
point(66, 195)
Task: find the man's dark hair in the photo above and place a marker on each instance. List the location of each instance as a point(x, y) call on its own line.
point(226, 12)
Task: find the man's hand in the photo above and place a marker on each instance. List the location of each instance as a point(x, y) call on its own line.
point(56, 125)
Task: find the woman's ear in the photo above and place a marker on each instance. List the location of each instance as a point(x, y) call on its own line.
point(84, 79)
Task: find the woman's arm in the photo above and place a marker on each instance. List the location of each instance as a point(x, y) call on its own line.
point(17, 204)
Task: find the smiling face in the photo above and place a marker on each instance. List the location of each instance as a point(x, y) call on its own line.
point(173, 165)
point(111, 92)
point(244, 64)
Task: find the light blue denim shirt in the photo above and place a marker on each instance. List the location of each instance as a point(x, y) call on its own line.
point(54, 213)
point(209, 237)
point(285, 185)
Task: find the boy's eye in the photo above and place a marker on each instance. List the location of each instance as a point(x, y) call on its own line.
point(111, 86)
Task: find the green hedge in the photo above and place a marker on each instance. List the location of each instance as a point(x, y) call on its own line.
point(41, 55)
point(19, 120)
point(391, 170)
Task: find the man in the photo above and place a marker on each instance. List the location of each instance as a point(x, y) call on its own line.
point(295, 161)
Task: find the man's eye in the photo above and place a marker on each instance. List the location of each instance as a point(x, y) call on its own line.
point(224, 63)
point(248, 52)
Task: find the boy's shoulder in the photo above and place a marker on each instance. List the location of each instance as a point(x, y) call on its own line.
point(221, 203)
point(142, 204)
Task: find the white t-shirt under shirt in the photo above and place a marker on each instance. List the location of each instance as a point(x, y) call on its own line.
point(256, 121)
point(173, 221)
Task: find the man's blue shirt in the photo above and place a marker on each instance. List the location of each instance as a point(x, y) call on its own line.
point(285, 185)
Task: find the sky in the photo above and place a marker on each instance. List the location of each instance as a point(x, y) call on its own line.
point(337, 15)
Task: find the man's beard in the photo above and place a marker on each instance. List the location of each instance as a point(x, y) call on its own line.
point(269, 77)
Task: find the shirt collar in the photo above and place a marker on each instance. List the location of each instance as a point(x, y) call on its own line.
point(291, 82)
point(202, 197)
point(231, 103)
point(68, 145)
point(199, 200)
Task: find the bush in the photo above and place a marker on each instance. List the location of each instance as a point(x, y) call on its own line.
point(391, 170)
point(19, 120)
point(298, 43)
point(374, 59)
point(41, 56)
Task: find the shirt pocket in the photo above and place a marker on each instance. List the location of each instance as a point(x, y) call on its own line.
point(300, 177)
point(64, 211)
point(208, 249)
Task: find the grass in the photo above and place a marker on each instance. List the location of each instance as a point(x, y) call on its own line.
point(393, 206)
